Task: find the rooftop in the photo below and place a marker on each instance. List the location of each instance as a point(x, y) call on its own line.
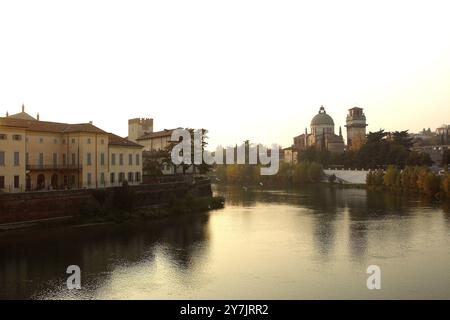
point(115, 140)
point(25, 121)
point(157, 134)
point(46, 126)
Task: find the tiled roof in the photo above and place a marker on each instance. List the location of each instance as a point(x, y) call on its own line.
point(115, 140)
point(157, 134)
point(46, 126)
point(22, 115)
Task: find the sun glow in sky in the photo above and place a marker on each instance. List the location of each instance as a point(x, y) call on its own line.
point(243, 69)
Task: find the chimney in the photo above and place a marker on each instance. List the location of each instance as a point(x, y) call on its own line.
point(23, 107)
point(7, 114)
point(37, 116)
point(90, 122)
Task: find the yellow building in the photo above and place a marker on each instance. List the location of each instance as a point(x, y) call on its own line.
point(36, 155)
point(155, 141)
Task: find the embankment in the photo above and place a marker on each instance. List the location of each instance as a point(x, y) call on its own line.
point(35, 206)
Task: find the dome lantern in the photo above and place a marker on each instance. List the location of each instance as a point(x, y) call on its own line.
point(322, 119)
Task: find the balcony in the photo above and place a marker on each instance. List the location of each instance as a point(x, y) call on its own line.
point(53, 167)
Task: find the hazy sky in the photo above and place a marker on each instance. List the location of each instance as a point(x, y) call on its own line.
point(242, 69)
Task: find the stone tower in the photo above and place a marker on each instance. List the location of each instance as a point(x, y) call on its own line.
point(138, 127)
point(356, 128)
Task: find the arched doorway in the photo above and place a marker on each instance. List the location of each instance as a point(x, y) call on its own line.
point(40, 184)
point(55, 181)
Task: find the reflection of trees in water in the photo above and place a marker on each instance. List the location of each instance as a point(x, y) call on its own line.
point(33, 261)
point(184, 241)
point(446, 206)
point(237, 196)
point(365, 209)
point(325, 205)
point(446, 209)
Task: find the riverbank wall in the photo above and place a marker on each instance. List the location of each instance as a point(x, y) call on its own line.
point(355, 177)
point(44, 205)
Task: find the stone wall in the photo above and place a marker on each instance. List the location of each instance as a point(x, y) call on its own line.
point(349, 176)
point(19, 207)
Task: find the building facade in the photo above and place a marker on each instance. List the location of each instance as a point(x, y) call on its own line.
point(154, 142)
point(41, 155)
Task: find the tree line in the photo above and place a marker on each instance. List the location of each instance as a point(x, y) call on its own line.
point(288, 175)
point(380, 150)
point(411, 179)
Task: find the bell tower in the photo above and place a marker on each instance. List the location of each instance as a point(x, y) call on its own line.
point(356, 128)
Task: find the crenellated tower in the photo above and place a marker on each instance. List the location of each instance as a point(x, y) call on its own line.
point(137, 127)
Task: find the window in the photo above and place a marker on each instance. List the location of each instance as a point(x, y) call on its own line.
point(112, 177)
point(55, 159)
point(89, 179)
point(16, 158)
point(2, 158)
point(72, 180)
point(113, 159)
point(64, 160)
point(121, 177)
point(16, 182)
point(41, 140)
point(89, 160)
point(17, 137)
point(130, 159)
point(2, 182)
point(102, 141)
point(3, 136)
point(138, 160)
point(41, 159)
point(102, 178)
point(88, 140)
point(138, 176)
point(73, 141)
point(130, 176)
point(102, 159)
point(55, 141)
point(73, 159)
point(121, 159)
point(63, 141)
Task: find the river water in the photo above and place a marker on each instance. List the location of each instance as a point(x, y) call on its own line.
point(265, 244)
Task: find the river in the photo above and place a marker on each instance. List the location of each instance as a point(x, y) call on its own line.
point(265, 244)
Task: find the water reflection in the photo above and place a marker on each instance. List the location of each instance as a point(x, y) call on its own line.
point(310, 243)
point(33, 263)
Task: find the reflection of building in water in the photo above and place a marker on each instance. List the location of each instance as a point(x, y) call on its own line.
point(39, 260)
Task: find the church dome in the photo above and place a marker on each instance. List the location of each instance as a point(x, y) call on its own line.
point(322, 119)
